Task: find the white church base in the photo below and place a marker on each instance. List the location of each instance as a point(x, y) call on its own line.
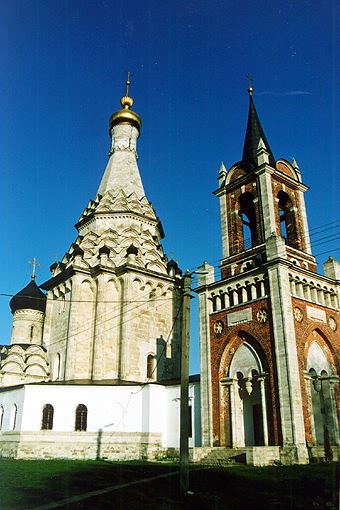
point(81, 445)
point(251, 455)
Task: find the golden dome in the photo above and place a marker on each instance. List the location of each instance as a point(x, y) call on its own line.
point(125, 115)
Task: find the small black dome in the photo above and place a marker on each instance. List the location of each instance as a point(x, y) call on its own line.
point(31, 297)
point(179, 272)
point(53, 266)
point(172, 264)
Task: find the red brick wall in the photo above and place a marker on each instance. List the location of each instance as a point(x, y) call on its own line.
point(259, 335)
point(328, 340)
point(223, 347)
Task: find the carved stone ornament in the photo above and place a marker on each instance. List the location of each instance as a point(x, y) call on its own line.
point(218, 327)
point(262, 315)
point(332, 323)
point(298, 314)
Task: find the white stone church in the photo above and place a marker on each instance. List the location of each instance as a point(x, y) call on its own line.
point(93, 365)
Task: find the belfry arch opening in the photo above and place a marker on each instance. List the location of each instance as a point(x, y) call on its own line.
point(287, 219)
point(247, 213)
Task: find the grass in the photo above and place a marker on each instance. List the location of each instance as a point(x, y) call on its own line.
point(26, 485)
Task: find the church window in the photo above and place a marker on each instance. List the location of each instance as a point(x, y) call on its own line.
point(81, 418)
point(47, 417)
point(287, 219)
point(31, 333)
point(247, 214)
point(1, 416)
point(150, 367)
point(13, 417)
point(56, 367)
point(62, 304)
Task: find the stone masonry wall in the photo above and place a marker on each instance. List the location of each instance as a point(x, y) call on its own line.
point(81, 445)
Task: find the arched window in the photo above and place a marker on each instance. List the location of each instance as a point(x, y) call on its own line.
point(56, 367)
point(287, 220)
point(248, 217)
point(47, 417)
point(1, 416)
point(81, 418)
point(150, 367)
point(13, 417)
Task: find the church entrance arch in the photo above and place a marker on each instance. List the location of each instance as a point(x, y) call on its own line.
point(246, 386)
point(322, 407)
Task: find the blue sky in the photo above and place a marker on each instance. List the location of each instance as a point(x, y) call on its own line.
point(64, 66)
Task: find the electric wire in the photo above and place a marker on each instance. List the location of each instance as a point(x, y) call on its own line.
point(216, 263)
point(88, 326)
point(143, 385)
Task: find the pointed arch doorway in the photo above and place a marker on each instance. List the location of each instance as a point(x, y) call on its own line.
point(247, 397)
point(320, 380)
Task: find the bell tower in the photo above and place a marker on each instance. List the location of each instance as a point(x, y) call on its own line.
point(261, 197)
point(253, 365)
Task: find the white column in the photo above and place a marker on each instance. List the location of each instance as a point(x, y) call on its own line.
point(224, 226)
point(306, 291)
point(205, 384)
point(233, 414)
point(253, 290)
point(308, 385)
point(267, 202)
point(304, 222)
point(261, 380)
point(330, 398)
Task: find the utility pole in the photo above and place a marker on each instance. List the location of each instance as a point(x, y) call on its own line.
point(184, 409)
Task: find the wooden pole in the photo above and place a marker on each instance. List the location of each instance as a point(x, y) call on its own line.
point(184, 409)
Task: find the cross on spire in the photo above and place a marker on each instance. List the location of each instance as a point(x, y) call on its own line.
point(128, 83)
point(34, 263)
point(127, 101)
point(250, 83)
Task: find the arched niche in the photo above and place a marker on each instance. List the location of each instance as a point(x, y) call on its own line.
point(247, 396)
point(320, 381)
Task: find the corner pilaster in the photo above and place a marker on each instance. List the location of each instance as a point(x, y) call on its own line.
point(288, 378)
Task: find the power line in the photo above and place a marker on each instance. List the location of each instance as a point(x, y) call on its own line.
point(325, 225)
point(91, 322)
point(325, 252)
point(84, 300)
point(142, 386)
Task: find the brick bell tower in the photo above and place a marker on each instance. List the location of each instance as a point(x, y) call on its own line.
point(268, 327)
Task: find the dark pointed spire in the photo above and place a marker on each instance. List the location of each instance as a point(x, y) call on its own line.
point(254, 133)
